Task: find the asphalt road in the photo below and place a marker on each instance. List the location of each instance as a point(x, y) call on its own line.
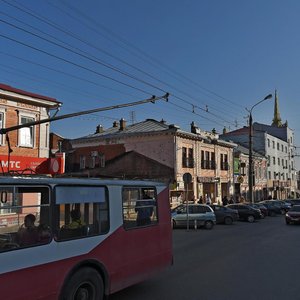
point(241, 261)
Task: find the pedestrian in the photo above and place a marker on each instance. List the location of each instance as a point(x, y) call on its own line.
point(225, 201)
point(208, 200)
point(200, 200)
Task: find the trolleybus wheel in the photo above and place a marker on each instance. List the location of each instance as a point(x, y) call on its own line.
point(85, 284)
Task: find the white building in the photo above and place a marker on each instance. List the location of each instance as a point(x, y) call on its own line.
point(276, 142)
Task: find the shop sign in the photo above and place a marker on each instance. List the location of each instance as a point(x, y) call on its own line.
point(28, 165)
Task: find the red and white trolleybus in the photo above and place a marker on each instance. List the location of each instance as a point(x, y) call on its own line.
point(82, 238)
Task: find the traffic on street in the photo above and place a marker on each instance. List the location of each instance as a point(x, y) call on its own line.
point(245, 260)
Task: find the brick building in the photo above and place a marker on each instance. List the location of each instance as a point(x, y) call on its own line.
point(155, 150)
point(28, 147)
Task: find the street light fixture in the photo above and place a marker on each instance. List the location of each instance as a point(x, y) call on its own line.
point(250, 174)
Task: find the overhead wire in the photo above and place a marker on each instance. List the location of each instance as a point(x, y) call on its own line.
point(97, 60)
point(66, 74)
point(98, 72)
point(158, 63)
point(26, 10)
point(75, 64)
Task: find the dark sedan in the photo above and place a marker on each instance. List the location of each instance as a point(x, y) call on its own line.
point(293, 215)
point(225, 215)
point(261, 207)
point(273, 208)
point(246, 212)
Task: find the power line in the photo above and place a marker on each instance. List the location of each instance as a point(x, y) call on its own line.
point(158, 63)
point(66, 74)
point(71, 34)
point(106, 65)
point(97, 61)
point(29, 124)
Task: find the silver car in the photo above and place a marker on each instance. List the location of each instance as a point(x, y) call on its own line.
point(198, 215)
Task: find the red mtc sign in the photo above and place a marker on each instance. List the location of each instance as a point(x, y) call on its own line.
point(27, 165)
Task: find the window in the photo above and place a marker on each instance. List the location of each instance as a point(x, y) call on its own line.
point(285, 149)
point(282, 162)
point(282, 148)
point(207, 157)
point(139, 207)
point(202, 160)
point(82, 162)
point(269, 160)
point(269, 143)
point(1, 125)
point(213, 161)
point(274, 160)
point(81, 211)
point(191, 158)
point(27, 133)
point(101, 160)
point(273, 144)
point(275, 174)
point(269, 175)
point(184, 157)
point(224, 161)
point(278, 160)
point(277, 146)
point(92, 162)
point(24, 217)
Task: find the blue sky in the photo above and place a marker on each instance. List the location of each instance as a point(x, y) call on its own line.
point(220, 56)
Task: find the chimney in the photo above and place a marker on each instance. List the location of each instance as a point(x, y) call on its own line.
point(224, 130)
point(122, 124)
point(194, 128)
point(163, 121)
point(99, 129)
point(115, 124)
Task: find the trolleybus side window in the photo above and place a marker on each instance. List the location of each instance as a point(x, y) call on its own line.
point(139, 206)
point(82, 211)
point(24, 217)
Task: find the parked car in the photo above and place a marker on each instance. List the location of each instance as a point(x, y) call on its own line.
point(246, 212)
point(285, 206)
point(273, 208)
point(263, 209)
point(225, 215)
point(292, 201)
point(198, 214)
point(293, 215)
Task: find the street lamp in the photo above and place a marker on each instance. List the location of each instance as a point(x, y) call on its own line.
point(250, 174)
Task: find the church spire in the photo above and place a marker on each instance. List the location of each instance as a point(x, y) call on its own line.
point(277, 120)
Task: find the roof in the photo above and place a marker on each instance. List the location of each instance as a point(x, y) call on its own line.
point(150, 126)
point(245, 150)
point(147, 126)
point(240, 131)
point(8, 88)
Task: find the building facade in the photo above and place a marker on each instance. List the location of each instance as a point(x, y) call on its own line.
point(175, 152)
point(276, 142)
point(241, 175)
point(27, 147)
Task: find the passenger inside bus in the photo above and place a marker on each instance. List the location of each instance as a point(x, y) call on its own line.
point(76, 228)
point(28, 232)
point(76, 220)
point(144, 209)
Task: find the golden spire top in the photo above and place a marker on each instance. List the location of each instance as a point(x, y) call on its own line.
point(277, 120)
